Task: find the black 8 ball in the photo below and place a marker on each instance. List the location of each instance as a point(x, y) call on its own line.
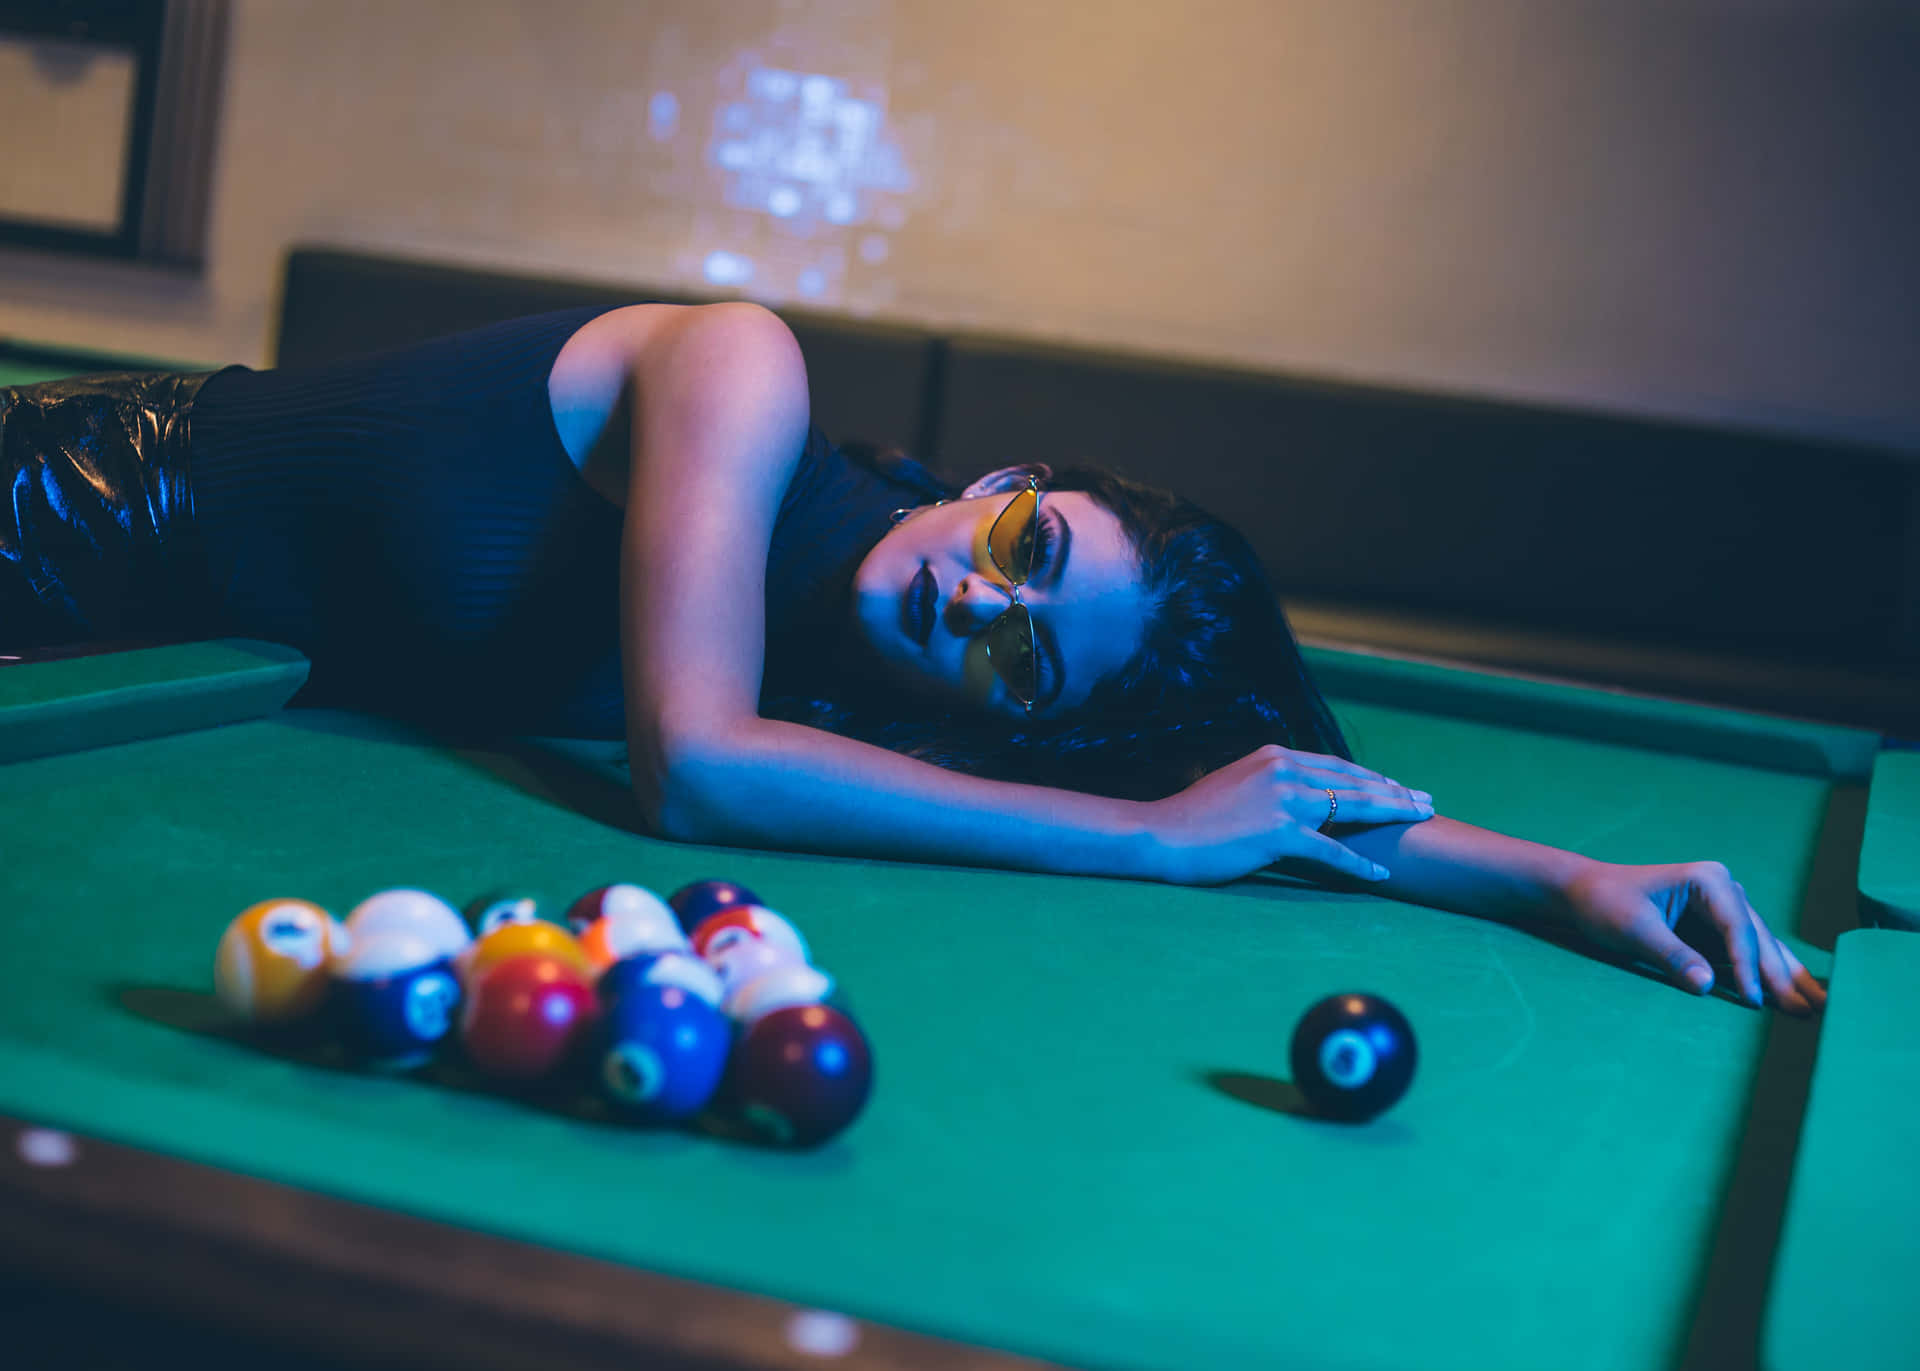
point(1352, 1056)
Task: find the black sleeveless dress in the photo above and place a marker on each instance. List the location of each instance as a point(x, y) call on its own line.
point(411, 522)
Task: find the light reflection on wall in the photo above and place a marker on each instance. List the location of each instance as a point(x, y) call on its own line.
point(784, 151)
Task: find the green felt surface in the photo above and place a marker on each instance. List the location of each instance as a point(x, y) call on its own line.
point(1856, 1192)
point(1081, 1144)
point(1604, 714)
point(24, 364)
point(1890, 854)
point(93, 701)
point(18, 372)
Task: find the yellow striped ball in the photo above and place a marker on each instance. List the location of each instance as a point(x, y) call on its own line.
point(272, 963)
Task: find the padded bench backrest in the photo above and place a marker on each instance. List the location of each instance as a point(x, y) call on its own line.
point(866, 381)
point(1560, 520)
point(1575, 523)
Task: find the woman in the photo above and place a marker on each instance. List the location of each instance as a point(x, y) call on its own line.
point(618, 522)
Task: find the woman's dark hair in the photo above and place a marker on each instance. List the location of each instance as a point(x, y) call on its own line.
point(1218, 675)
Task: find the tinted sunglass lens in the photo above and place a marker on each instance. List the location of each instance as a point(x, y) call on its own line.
point(1010, 540)
point(1011, 651)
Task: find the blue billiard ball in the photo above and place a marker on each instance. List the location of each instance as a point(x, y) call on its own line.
point(395, 998)
point(1353, 1056)
point(693, 903)
point(664, 1053)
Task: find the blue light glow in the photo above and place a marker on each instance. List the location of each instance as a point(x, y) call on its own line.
point(728, 269)
point(663, 116)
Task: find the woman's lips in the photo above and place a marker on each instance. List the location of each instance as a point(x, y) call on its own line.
point(916, 606)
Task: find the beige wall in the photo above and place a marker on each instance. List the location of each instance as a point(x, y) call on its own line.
point(1695, 208)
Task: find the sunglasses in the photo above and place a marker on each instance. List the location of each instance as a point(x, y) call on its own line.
point(1010, 642)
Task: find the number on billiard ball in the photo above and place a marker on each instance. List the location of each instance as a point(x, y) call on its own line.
point(272, 965)
point(664, 1054)
point(1353, 1056)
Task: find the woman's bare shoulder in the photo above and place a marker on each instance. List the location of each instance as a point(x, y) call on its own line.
point(624, 338)
point(705, 351)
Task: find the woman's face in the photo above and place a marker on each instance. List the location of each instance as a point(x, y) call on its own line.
point(1089, 612)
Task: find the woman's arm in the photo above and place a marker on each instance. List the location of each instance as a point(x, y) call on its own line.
point(768, 783)
point(1636, 911)
point(720, 415)
point(1454, 866)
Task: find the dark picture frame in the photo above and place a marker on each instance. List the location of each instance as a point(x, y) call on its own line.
point(135, 26)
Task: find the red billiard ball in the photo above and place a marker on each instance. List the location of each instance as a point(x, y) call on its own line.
point(800, 1075)
point(1353, 1056)
point(526, 1015)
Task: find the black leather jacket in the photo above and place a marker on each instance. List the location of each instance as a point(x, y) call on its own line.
point(97, 540)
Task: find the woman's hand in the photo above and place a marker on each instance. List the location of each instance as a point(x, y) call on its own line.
point(1637, 910)
point(1270, 805)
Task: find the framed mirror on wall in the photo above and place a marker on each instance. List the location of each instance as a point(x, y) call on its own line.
point(111, 109)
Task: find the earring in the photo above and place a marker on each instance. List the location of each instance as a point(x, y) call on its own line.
point(900, 516)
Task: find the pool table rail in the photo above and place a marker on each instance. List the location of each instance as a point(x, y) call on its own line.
point(296, 1266)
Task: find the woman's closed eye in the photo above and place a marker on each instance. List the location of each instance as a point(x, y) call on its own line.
point(1043, 543)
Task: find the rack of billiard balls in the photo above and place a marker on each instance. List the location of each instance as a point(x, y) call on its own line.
point(704, 1007)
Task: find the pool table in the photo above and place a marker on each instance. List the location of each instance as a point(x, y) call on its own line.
point(1082, 1148)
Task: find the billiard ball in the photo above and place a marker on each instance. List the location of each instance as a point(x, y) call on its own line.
point(271, 966)
point(1353, 1056)
point(526, 1015)
point(720, 930)
point(664, 1053)
point(779, 987)
point(693, 903)
point(518, 939)
point(411, 911)
point(748, 959)
point(616, 937)
point(394, 999)
point(632, 905)
point(508, 907)
point(659, 968)
point(799, 1075)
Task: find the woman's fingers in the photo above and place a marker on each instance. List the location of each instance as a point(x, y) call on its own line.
point(1773, 970)
point(1726, 910)
point(1339, 857)
point(1810, 989)
point(1659, 945)
point(1340, 766)
point(1376, 807)
point(1803, 979)
point(1793, 986)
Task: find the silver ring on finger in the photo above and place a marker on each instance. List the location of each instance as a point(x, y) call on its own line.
point(1333, 807)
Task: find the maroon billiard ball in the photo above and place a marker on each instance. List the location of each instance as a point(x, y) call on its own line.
point(800, 1075)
